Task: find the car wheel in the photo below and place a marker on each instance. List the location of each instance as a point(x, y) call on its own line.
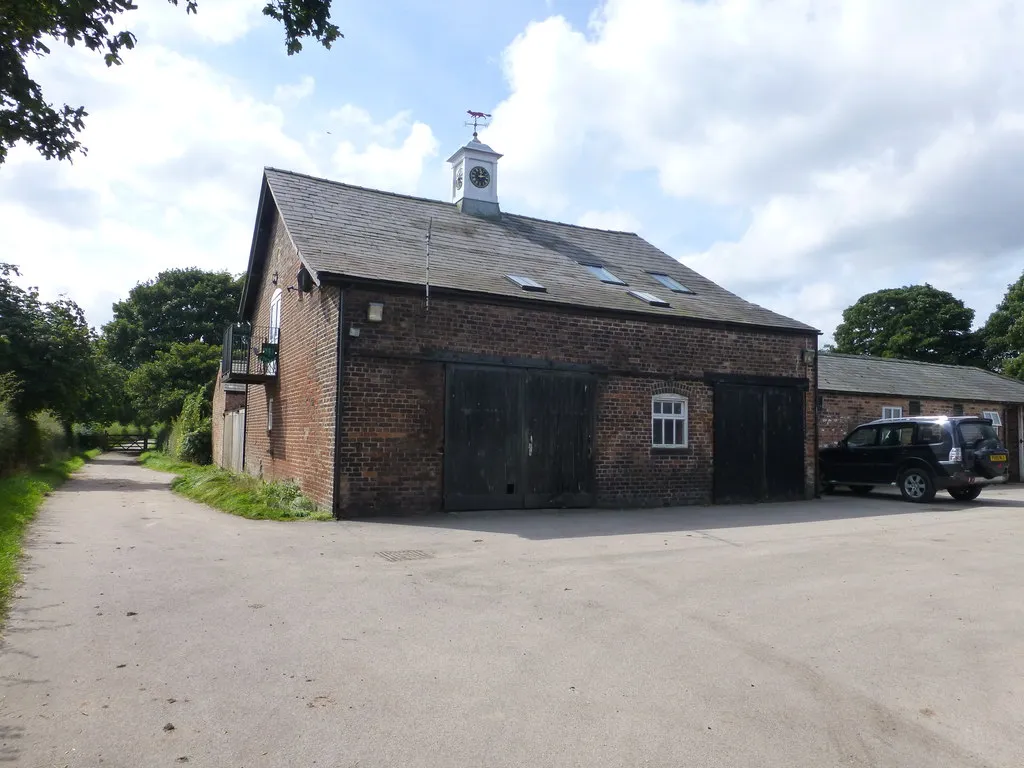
point(916, 485)
point(970, 493)
point(862, 490)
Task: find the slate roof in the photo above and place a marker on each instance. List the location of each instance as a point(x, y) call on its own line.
point(909, 378)
point(349, 231)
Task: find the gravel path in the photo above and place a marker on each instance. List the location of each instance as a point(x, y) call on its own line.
point(152, 631)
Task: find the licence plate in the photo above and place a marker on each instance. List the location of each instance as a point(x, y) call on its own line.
point(998, 457)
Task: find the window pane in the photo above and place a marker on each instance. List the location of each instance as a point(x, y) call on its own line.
point(657, 406)
point(863, 436)
point(678, 408)
point(670, 283)
point(603, 274)
point(680, 429)
point(975, 433)
point(657, 432)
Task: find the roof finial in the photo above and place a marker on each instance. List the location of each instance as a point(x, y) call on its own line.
point(480, 119)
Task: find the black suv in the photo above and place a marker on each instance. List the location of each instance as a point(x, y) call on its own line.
point(921, 454)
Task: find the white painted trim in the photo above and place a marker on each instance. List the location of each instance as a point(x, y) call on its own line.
point(684, 417)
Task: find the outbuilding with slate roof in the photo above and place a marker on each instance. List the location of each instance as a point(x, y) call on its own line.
point(401, 355)
point(855, 389)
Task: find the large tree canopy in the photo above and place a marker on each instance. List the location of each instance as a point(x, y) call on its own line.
point(27, 27)
point(46, 352)
point(1003, 334)
point(180, 305)
point(916, 322)
point(158, 388)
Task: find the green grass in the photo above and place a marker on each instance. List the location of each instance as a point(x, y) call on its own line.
point(241, 495)
point(20, 497)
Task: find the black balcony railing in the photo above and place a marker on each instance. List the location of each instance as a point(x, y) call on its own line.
point(250, 353)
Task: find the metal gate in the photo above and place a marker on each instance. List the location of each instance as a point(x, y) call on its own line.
point(759, 443)
point(518, 438)
point(233, 442)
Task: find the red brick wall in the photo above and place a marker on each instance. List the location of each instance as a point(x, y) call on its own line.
point(840, 413)
point(300, 446)
point(391, 457)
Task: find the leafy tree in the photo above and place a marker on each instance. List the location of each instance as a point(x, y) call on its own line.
point(1003, 333)
point(28, 27)
point(916, 322)
point(158, 388)
point(48, 349)
point(179, 306)
point(106, 400)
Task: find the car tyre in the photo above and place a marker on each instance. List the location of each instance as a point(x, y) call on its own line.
point(970, 493)
point(862, 490)
point(916, 485)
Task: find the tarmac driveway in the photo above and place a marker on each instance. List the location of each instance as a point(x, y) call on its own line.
point(152, 631)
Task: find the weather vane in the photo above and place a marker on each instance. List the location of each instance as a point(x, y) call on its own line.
point(480, 119)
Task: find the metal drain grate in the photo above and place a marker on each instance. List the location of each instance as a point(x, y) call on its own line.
point(405, 554)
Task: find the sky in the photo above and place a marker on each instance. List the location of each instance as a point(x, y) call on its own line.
point(801, 153)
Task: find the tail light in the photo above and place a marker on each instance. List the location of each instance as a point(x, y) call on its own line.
point(956, 454)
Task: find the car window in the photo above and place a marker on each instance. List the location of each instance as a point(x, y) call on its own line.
point(929, 434)
point(898, 434)
point(977, 432)
point(863, 436)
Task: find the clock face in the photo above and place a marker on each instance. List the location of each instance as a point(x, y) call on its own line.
point(479, 176)
point(458, 179)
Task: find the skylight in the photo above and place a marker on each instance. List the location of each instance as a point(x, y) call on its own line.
point(670, 282)
point(603, 274)
point(527, 284)
point(649, 298)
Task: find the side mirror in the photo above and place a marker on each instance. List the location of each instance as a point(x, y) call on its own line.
point(842, 444)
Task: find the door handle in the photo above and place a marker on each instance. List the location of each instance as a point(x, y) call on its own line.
point(529, 445)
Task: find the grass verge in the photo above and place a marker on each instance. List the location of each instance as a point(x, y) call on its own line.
point(240, 495)
point(20, 497)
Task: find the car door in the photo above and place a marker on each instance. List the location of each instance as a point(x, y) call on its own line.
point(853, 463)
point(894, 444)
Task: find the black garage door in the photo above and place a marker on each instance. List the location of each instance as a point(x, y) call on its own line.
point(759, 443)
point(518, 438)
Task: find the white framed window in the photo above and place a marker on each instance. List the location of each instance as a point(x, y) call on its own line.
point(270, 414)
point(994, 417)
point(274, 331)
point(892, 412)
point(670, 422)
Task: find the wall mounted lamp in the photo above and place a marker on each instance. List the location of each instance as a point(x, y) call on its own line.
point(375, 311)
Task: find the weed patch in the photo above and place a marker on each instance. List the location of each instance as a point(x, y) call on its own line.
point(240, 495)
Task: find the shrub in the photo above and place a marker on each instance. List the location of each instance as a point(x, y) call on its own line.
point(8, 438)
point(191, 435)
point(197, 446)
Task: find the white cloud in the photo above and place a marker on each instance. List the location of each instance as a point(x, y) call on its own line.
point(369, 162)
point(867, 142)
point(623, 221)
point(176, 151)
point(295, 92)
point(218, 22)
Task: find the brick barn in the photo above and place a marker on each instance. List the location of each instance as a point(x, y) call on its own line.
point(403, 355)
point(854, 389)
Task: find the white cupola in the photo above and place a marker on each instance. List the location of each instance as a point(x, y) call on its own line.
point(475, 178)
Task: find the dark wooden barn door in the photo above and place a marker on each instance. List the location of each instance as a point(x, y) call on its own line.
point(759, 443)
point(784, 437)
point(483, 439)
point(516, 438)
point(559, 412)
